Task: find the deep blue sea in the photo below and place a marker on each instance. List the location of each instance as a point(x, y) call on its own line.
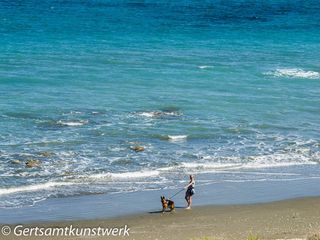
point(230, 88)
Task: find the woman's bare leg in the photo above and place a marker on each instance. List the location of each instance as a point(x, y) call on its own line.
point(188, 201)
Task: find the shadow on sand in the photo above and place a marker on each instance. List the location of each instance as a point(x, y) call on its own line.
point(154, 212)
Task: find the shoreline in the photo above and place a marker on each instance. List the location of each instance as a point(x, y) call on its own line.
point(107, 206)
point(287, 219)
point(221, 211)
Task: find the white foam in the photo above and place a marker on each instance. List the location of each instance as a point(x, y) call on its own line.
point(76, 112)
point(147, 114)
point(294, 72)
point(209, 165)
point(30, 188)
point(212, 164)
point(72, 123)
point(153, 114)
point(177, 138)
point(137, 174)
point(205, 67)
point(278, 160)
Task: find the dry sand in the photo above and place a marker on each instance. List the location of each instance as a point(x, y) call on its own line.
point(290, 219)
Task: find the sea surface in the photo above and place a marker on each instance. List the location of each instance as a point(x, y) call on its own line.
point(225, 88)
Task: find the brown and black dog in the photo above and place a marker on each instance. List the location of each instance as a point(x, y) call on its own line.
point(166, 203)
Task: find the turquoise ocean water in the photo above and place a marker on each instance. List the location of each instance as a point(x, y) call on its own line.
point(230, 88)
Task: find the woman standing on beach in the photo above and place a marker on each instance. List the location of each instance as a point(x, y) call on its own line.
point(190, 191)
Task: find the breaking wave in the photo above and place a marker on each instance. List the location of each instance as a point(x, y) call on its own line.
point(72, 123)
point(34, 187)
point(294, 73)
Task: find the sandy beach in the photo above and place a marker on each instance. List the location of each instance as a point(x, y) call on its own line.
point(105, 106)
point(289, 219)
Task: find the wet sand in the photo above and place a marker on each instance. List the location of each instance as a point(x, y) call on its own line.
point(289, 219)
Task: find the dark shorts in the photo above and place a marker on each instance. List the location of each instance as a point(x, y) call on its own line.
point(190, 192)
